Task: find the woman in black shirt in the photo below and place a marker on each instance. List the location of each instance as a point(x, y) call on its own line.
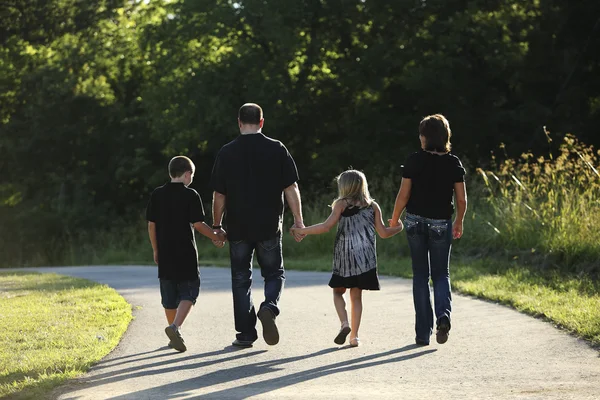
point(431, 178)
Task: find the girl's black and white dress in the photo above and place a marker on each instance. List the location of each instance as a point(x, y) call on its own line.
point(354, 253)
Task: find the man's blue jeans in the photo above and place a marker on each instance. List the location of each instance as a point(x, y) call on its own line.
point(270, 260)
point(430, 242)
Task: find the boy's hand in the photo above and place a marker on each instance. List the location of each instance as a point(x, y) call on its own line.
point(457, 229)
point(156, 257)
point(220, 237)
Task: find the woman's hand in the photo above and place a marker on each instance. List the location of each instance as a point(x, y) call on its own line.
point(457, 229)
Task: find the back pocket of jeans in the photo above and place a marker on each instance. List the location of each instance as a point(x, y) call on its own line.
point(270, 244)
point(411, 227)
point(438, 232)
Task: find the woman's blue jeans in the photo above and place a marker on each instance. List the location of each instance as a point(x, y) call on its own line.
point(430, 242)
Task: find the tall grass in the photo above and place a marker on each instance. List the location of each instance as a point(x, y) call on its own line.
point(543, 208)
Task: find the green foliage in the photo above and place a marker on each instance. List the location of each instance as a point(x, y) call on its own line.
point(95, 97)
point(55, 328)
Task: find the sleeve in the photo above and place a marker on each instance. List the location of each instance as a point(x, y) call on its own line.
point(409, 171)
point(459, 171)
point(289, 173)
point(151, 209)
point(196, 208)
point(217, 180)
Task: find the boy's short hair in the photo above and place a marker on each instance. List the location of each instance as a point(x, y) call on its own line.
point(250, 113)
point(436, 131)
point(179, 165)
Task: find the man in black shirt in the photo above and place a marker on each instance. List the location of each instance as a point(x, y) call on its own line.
point(174, 211)
point(250, 177)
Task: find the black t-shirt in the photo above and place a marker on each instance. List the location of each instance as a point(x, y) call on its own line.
point(433, 177)
point(252, 171)
point(174, 208)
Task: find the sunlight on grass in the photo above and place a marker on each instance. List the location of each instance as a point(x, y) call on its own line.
point(54, 328)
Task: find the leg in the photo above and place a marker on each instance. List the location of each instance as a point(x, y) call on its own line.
point(356, 299)
point(170, 314)
point(440, 244)
point(185, 306)
point(170, 301)
point(241, 285)
point(188, 294)
point(340, 307)
point(270, 259)
point(268, 253)
point(417, 241)
point(169, 298)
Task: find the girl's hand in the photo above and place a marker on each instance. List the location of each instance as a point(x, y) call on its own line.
point(393, 223)
point(457, 229)
point(295, 231)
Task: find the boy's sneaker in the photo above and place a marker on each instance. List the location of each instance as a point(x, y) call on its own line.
point(443, 331)
point(270, 331)
point(176, 340)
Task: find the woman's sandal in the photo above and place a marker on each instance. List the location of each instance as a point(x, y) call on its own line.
point(354, 342)
point(341, 336)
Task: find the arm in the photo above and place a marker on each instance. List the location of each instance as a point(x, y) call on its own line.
point(292, 196)
point(213, 234)
point(152, 235)
point(383, 231)
point(326, 226)
point(401, 201)
point(218, 209)
point(460, 193)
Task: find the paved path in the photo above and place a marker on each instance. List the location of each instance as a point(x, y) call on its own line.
point(493, 351)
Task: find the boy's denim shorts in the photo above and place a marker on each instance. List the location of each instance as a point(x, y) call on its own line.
point(172, 292)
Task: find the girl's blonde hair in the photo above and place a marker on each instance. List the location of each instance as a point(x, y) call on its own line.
point(353, 187)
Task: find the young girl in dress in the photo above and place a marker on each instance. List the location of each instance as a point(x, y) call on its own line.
point(354, 255)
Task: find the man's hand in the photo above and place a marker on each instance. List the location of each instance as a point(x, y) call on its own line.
point(297, 236)
point(220, 237)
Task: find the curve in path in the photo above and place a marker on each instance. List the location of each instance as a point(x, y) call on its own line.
point(493, 353)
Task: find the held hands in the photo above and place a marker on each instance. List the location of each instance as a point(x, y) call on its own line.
point(221, 237)
point(395, 223)
point(294, 230)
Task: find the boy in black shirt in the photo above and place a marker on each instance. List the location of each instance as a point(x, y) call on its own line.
point(174, 211)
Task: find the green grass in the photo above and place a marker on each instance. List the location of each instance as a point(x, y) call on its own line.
point(54, 328)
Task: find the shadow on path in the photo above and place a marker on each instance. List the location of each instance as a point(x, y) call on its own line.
point(264, 384)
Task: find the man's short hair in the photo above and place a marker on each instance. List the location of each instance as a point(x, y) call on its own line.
point(250, 114)
point(179, 165)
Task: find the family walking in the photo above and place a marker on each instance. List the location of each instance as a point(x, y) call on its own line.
point(251, 177)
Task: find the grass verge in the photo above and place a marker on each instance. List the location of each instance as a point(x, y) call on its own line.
point(54, 328)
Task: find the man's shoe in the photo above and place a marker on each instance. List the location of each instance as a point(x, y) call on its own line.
point(442, 333)
point(421, 342)
point(176, 340)
point(242, 343)
point(270, 331)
